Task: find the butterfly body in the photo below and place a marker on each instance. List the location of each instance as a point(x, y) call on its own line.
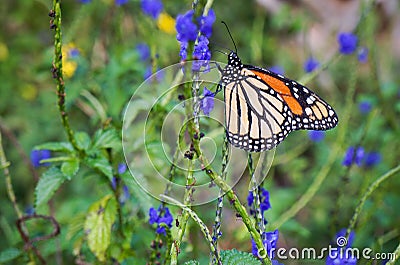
point(262, 107)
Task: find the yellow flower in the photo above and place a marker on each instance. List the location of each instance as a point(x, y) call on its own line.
point(28, 92)
point(166, 23)
point(69, 65)
point(3, 52)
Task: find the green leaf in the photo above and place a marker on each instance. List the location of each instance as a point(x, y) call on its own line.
point(70, 168)
point(106, 139)
point(83, 140)
point(56, 146)
point(48, 183)
point(235, 257)
point(98, 223)
point(9, 254)
point(101, 163)
point(192, 262)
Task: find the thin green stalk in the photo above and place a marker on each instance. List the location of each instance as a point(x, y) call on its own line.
point(396, 255)
point(201, 224)
point(185, 215)
point(58, 73)
point(368, 193)
point(256, 197)
point(4, 164)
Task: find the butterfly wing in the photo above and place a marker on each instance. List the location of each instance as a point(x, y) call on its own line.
point(263, 107)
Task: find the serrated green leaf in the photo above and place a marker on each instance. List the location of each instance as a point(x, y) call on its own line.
point(98, 223)
point(82, 140)
point(191, 262)
point(106, 139)
point(102, 164)
point(235, 257)
point(70, 168)
point(48, 183)
point(55, 146)
point(9, 254)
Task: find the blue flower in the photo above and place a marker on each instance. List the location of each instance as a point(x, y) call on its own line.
point(114, 183)
point(277, 69)
point(362, 55)
point(73, 53)
point(206, 23)
point(85, 1)
point(121, 2)
point(207, 102)
point(160, 216)
point(122, 168)
point(250, 199)
point(310, 65)
point(38, 155)
point(372, 159)
point(148, 72)
point(316, 136)
point(185, 27)
point(152, 8)
point(143, 51)
point(365, 107)
point(183, 51)
point(353, 156)
point(339, 255)
point(201, 53)
point(270, 240)
point(264, 200)
point(125, 195)
point(347, 43)
point(29, 210)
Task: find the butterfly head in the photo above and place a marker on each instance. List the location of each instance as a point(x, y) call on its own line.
point(234, 60)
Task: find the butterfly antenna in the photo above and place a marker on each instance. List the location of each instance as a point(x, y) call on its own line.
point(220, 51)
point(230, 35)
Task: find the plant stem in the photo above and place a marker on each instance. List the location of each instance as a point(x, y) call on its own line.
point(396, 255)
point(368, 193)
point(58, 73)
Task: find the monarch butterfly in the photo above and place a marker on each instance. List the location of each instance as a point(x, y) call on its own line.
point(262, 108)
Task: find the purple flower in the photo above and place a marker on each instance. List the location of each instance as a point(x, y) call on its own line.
point(85, 1)
point(121, 2)
point(250, 199)
point(270, 240)
point(114, 183)
point(339, 255)
point(353, 156)
point(160, 216)
point(38, 155)
point(264, 200)
point(29, 210)
point(183, 51)
point(277, 69)
point(152, 8)
point(365, 107)
point(201, 53)
point(316, 136)
point(362, 55)
point(347, 43)
point(206, 23)
point(148, 72)
point(143, 51)
point(186, 29)
point(73, 53)
point(125, 195)
point(372, 159)
point(207, 102)
point(310, 65)
point(121, 168)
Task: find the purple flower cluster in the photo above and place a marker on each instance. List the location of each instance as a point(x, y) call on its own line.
point(365, 107)
point(188, 31)
point(270, 240)
point(359, 157)
point(339, 255)
point(39, 155)
point(348, 44)
point(316, 136)
point(264, 200)
point(151, 8)
point(160, 216)
point(207, 102)
point(310, 65)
